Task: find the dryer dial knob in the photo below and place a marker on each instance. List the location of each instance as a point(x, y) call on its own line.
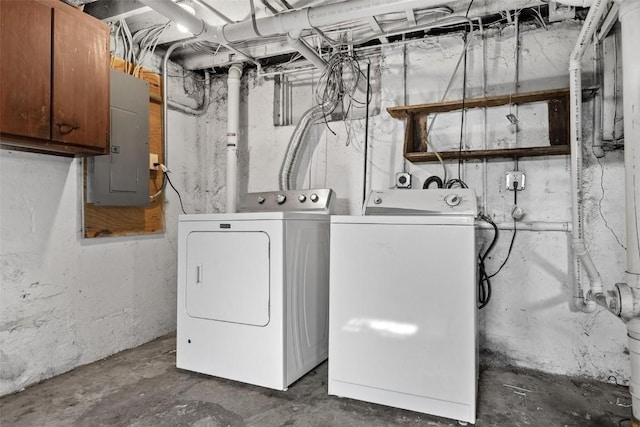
point(452, 199)
point(281, 198)
point(314, 197)
point(302, 198)
point(260, 199)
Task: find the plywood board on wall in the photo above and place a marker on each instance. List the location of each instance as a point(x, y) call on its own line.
point(110, 221)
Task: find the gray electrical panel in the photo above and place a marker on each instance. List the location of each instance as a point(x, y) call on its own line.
point(122, 177)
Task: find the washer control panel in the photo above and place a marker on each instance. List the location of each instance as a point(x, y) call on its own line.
point(314, 200)
point(452, 201)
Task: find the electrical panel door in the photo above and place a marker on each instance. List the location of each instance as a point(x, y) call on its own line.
point(122, 177)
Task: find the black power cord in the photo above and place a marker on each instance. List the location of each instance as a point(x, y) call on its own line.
point(177, 192)
point(484, 279)
point(513, 237)
point(431, 180)
point(484, 282)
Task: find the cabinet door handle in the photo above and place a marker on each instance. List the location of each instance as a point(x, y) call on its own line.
point(198, 274)
point(66, 128)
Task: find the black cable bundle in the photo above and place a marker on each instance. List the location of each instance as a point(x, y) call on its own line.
point(166, 175)
point(484, 279)
point(484, 282)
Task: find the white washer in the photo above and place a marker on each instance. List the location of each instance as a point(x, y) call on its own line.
point(253, 293)
point(402, 329)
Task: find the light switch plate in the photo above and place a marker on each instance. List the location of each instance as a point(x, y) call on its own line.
point(513, 178)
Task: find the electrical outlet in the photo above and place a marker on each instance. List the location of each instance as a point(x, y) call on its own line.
point(153, 162)
point(403, 180)
point(513, 178)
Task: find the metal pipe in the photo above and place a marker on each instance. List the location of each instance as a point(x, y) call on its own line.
point(165, 110)
point(297, 138)
point(165, 97)
point(205, 101)
point(564, 227)
point(585, 301)
point(366, 136)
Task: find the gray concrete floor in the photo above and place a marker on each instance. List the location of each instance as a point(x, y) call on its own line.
point(142, 387)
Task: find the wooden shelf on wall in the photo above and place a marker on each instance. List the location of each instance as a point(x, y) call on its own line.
point(111, 221)
point(415, 139)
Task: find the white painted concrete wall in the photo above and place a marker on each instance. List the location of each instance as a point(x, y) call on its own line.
point(531, 321)
point(66, 301)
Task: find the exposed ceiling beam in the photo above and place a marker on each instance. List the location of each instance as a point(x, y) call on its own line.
point(371, 20)
point(411, 17)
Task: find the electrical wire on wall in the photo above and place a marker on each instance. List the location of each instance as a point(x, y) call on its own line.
point(484, 278)
point(464, 92)
point(165, 173)
point(137, 48)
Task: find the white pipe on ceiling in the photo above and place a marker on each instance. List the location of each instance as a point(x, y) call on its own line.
point(233, 127)
point(585, 301)
point(287, 22)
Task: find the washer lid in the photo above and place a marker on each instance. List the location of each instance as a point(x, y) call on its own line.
point(452, 201)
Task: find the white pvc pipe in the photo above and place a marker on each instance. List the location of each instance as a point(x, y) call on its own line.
point(233, 126)
point(630, 30)
point(287, 22)
point(584, 301)
point(633, 329)
point(596, 134)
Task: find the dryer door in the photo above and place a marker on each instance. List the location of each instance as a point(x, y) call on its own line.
point(228, 276)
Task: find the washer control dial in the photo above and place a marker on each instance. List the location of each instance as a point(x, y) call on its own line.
point(314, 197)
point(452, 199)
point(260, 199)
point(302, 198)
point(281, 198)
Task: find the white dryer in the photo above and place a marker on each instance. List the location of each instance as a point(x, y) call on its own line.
point(253, 289)
point(402, 329)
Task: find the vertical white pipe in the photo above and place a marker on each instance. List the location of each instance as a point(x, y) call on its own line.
point(584, 302)
point(630, 30)
point(633, 331)
point(597, 149)
point(233, 119)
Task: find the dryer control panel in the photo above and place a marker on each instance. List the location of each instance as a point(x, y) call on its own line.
point(452, 201)
point(314, 200)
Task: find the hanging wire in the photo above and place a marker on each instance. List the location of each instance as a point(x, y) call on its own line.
point(333, 86)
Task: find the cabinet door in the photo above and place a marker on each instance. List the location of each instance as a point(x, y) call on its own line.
point(80, 81)
point(25, 67)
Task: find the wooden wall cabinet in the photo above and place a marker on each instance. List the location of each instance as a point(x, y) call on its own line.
point(54, 85)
